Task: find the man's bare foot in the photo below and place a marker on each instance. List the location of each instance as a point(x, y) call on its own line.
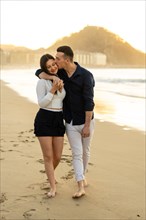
point(79, 194)
point(51, 194)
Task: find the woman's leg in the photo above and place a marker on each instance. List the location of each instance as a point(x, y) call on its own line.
point(46, 145)
point(57, 150)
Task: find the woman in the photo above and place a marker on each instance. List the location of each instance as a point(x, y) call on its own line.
point(48, 125)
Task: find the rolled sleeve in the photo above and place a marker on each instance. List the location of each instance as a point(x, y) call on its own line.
point(38, 72)
point(88, 92)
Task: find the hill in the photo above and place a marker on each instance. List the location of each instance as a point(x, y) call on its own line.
point(98, 39)
point(119, 53)
point(12, 48)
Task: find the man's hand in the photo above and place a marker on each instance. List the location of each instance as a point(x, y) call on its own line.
point(86, 128)
point(86, 131)
point(54, 78)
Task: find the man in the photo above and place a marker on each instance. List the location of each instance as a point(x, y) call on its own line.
point(78, 108)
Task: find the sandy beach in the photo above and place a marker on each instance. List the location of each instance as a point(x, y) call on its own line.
point(116, 172)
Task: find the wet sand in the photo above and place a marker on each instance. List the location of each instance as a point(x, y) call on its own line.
point(116, 172)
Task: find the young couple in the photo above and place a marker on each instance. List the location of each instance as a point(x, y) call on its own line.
point(65, 91)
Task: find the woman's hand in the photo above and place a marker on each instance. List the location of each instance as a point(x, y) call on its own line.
point(60, 84)
point(57, 85)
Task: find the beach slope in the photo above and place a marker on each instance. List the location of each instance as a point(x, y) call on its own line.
point(116, 172)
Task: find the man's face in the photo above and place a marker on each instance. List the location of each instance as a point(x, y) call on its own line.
point(60, 60)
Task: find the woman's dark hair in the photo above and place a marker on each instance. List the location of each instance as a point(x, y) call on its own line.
point(44, 60)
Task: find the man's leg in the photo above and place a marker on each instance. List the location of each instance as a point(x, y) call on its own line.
point(86, 146)
point(75, 140)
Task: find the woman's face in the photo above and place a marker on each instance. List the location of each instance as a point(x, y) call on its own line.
point(51, 66)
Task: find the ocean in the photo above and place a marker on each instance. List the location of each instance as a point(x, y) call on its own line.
point(120, 91)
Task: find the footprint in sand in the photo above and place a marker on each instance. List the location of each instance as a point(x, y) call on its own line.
point(67, 159)
point(3, 197)
point(15, 145)
point(3, 218)
point(65, 142)
point(28, 213)
point(91, 164)
point(42, 186)
point(28, 156)
point(40, 161)
point(31, 130)
point(42, 171)
point(2, 140)
point(69, 175)
point(26, 137)
point(2, 158)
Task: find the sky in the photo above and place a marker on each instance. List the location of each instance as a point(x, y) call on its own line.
point(37, 24)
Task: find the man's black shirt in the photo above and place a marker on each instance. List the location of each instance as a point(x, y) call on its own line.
point(79, 94)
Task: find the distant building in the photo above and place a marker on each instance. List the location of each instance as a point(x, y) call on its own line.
point(31, 58)
point(4, 57)
point(90, 59)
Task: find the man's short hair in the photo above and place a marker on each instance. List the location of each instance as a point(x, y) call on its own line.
point(67, 51)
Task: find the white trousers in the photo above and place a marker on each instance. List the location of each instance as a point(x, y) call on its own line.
point(80, 148)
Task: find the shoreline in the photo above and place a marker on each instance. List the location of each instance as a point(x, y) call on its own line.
point(104, 110)
point(116, 172)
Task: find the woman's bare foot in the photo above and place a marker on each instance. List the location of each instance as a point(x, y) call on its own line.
point(51, 194)
point(79, 193)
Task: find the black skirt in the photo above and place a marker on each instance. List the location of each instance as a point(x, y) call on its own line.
point(49, 123)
